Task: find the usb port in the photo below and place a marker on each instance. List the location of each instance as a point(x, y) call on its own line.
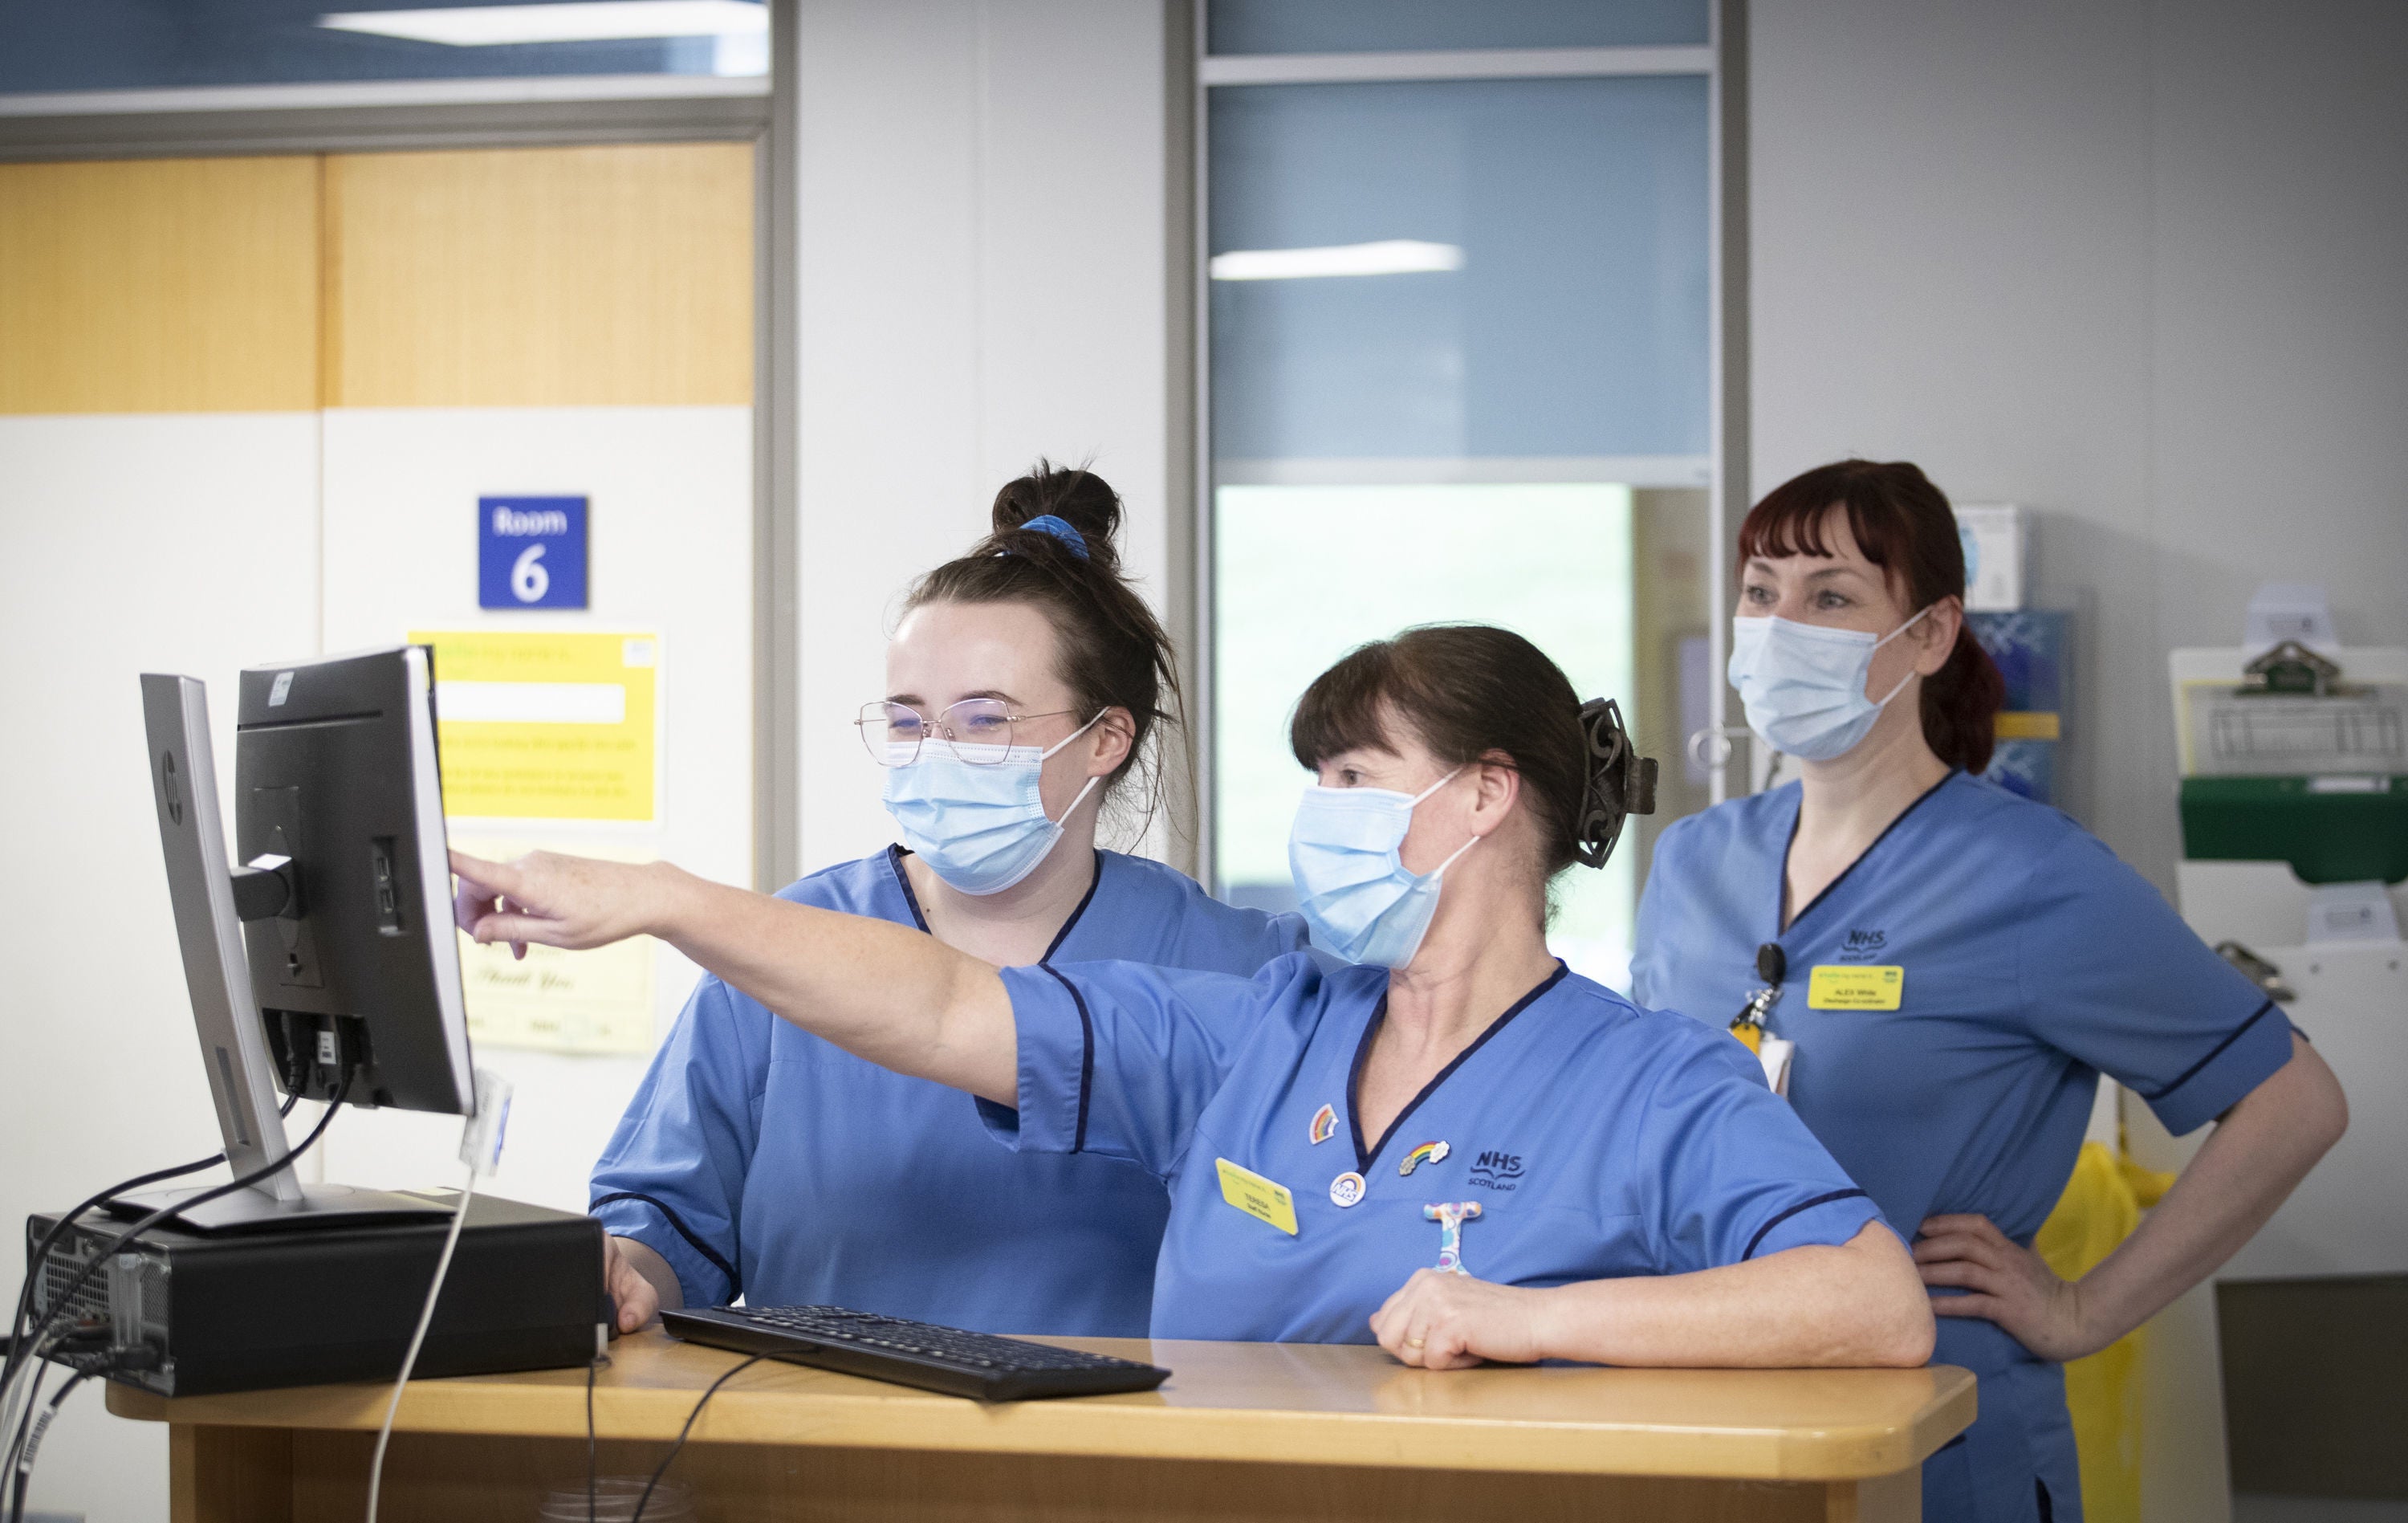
point(386, 884)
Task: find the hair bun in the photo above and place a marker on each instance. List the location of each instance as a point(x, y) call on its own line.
point(1073, 494)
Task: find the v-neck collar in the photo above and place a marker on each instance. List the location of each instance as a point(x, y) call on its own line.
point(1363, 1156)
point(895, 854)
point(1780, 876)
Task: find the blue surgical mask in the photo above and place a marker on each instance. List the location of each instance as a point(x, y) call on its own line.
point(980, 826)
point(1803, 684)
point(1351, 884)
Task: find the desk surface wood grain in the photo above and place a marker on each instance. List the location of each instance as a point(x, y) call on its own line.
point(1289, 1403)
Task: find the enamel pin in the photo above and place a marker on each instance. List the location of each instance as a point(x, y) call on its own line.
point(1450, 1217)
point(1346, 1190)
point(1426, 1153)
point(1325, 1124)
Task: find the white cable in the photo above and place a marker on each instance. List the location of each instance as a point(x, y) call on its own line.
point(410, 1360)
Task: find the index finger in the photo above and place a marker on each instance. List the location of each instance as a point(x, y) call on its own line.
point(501, 877)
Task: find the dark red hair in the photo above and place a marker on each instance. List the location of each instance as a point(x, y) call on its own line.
point(1904, 526)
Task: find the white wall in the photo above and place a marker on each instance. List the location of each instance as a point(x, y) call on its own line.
point(2135, 265)
point(982, 269)
point(115, 560)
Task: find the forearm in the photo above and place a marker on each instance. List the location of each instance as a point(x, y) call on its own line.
point(1856, 1304)
point(2249, 1165)
point(895, 995)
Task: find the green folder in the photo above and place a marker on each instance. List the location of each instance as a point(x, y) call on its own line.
point(2331, 830)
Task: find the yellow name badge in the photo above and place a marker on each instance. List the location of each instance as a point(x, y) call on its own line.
point(1257, 1197)
point(1835, 986)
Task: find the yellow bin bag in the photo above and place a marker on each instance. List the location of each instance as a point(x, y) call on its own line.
point(2100, 1207)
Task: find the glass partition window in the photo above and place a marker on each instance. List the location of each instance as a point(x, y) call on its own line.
point(1307, 573)
point(1459, 362)
point(46, 46)
point(1465, 268)
point(1330, 26)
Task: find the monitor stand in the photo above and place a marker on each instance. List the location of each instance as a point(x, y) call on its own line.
point(254, 1209)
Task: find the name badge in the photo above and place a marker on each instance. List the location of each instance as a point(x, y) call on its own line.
point(1844, 986)
point(1257, 1197)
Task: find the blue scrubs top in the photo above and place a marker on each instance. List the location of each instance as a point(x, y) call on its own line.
point(759, 1159)
point(1598, 1139)
point(2032, 960)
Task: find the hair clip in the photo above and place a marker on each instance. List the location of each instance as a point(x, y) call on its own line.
point(1620, 782)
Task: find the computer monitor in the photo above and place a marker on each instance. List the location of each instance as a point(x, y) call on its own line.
point(344, 898)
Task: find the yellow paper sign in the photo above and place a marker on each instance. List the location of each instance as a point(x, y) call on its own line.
point(597, 1001)
point(1840, 986)
point(545, 727)
point(1257, 1197)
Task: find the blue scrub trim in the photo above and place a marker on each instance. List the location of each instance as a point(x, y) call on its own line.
point(1842, 878)
point(1095, 881)
point(2192, 1073)
point(1362, 1053)
point(734, 1282)
point(895, 855)
point(1762, 1232)
point(1086, 1054)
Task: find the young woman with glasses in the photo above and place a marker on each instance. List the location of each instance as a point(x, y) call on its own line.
point(1027, 686)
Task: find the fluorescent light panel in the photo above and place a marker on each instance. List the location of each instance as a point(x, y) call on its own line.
point(587, 20)
point(1390, 256)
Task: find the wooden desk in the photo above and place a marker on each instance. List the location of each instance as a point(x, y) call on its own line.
point(1241, 1431)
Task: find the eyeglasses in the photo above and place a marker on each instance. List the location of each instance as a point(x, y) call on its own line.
point(977, 731)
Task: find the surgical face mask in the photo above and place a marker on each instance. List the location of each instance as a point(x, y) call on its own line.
point(979, 825)
point(1803, 684)
point(1350, 883)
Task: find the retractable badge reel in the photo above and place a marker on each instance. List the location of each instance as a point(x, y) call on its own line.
point(1774, 1052)
point(1771, 965)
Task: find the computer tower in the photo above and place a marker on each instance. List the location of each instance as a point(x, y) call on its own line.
point(189, 1313)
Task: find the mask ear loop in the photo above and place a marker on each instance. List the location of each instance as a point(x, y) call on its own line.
point(1048, 752)
point(1886, 640)
point(1424, 794)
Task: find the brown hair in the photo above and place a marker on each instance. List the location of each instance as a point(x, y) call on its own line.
point(1469, 691)
point(1903, 523)
point(1109, 649)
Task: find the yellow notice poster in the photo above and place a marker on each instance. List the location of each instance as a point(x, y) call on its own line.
point(597, 1001)
point(545, 727)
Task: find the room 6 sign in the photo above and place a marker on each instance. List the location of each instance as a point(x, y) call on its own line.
point(530, 552)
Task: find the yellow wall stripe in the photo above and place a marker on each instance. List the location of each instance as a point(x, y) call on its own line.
point(175, 285)
point(556, 277)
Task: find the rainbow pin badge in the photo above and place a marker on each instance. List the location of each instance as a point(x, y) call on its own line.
point(1426, 1153)
point(1325, 1124)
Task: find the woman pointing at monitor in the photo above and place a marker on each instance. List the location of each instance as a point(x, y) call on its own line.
point(1457, 1147)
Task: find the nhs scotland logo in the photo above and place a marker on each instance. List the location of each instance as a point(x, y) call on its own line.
point(530, 553)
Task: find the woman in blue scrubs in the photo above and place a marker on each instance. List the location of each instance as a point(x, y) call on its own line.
point(1456, 1148)
point(1954, 967)
point(1022, 685)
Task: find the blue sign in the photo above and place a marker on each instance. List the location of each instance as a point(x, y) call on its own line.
point(530, 552)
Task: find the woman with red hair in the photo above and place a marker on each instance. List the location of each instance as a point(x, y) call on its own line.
point(1938, 971)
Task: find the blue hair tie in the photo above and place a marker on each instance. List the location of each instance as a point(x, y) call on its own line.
point(1060, 529)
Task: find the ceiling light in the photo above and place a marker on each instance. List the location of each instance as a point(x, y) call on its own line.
point(1391, 256)
point(589, 21)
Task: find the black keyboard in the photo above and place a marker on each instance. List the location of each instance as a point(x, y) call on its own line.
point(947, 1359)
